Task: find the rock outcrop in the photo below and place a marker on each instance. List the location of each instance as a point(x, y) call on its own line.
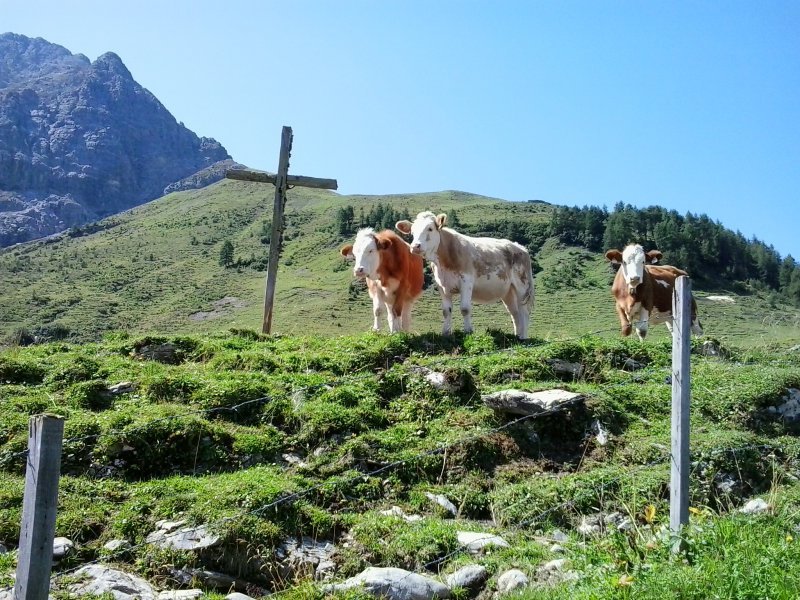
point(81, 140)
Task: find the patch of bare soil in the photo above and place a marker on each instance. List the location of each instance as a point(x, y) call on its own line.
point(221, 307)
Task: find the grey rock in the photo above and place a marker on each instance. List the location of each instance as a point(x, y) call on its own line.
point(755, 506)
point(601, 434)
point(124, 387)
point(3, 549)
point(559, 536)
point(511, 580)
point(187, 538)
point(557, 549)
point(443, 502)
point(180, 594)
point(61, 547)
point(598, 523)
point(117, 546)
point(471, 577)
point(305, 558)
point(554, 572)
point(558, 564)
point(531, 403)
point(476, 542)
point(215, 580)
point(445, 382)
point(563, 368)
point(396, 511)
point(325, 570)
point(726, 484)
point(789, 410)
point(238, 596)
point(394, 584)
point(99, 579)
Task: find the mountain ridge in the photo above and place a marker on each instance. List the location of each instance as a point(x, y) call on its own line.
point(81, 140)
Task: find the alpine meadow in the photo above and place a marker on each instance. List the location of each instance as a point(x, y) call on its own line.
point(292, 463)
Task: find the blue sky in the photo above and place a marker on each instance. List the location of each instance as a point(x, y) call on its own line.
point(693, 106)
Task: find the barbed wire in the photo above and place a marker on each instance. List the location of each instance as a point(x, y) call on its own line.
point(294, 496)
point(572, 503)
point(336, 381)
point(434, 451)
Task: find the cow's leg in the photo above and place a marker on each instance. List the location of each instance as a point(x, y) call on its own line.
point(447, 311)
point(466, 305)
point(405, 319)
point(642, 324)
point(624, 322)
point(518, 313)
point(396, 317)
point(378, 308)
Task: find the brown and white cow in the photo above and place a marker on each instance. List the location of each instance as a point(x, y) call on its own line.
point(393, 274)
point(643, 290)
point(481, 270)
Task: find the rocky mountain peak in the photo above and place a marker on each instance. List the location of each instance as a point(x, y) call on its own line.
point(80, 140)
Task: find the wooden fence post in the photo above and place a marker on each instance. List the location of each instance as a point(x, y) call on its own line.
point(681, 346)
point(45, 434)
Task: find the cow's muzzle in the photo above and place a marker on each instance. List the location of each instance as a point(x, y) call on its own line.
point(416, 249)
point(359, 272)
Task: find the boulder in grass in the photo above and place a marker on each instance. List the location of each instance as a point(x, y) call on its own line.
point(392, 583)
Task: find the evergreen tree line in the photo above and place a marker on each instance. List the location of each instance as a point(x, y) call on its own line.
point(380, 216)
point(704, 248)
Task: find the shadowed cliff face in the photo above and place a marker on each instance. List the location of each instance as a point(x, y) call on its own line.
point(80, 140)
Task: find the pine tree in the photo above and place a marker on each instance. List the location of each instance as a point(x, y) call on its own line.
point(226, 254)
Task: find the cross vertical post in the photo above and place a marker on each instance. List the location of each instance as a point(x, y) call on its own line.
point(282, 181)
point(276, 238)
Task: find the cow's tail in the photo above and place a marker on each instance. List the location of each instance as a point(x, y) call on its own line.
point(528, 293)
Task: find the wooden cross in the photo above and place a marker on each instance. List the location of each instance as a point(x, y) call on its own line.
point(282, 180)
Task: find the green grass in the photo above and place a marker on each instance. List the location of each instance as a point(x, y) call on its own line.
point(203, 439)
point(155, 269)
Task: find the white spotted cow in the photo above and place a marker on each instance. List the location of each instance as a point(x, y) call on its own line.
point(643, 290)
point(480, 270)
point(394, 275)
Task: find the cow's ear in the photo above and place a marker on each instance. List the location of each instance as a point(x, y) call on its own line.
point(382, 244)
point(615, 256)
point(653, 257)
point(441, 220)
point(403, 227)
point(347, 251)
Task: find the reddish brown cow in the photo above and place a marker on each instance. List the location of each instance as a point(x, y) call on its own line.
point(393, 274)
point(643, 290)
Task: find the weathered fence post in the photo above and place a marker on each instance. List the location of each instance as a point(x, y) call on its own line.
point(681, 346)
point(38, 527)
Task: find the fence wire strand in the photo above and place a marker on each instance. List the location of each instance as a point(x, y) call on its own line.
point(443, 448)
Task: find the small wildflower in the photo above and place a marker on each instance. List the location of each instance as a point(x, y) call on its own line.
point(789, 537)
point(695, 511)
point(625, 580)
point(649, 513)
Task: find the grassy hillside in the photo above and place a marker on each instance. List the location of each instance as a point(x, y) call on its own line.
point(314, 431)
point(206, 436)
point(156, 269)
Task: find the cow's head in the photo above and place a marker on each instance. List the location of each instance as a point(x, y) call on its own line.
point(632, 260)
point(425, 233)
point(365, 251)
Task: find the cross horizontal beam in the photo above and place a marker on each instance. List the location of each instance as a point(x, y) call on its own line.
point(265, 177)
